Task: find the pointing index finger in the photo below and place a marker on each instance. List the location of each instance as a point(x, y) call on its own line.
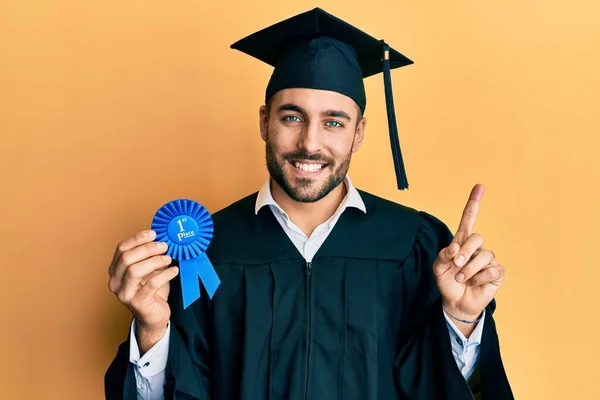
point(470, 212)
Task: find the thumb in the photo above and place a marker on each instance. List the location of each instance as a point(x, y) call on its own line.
point(445, 258)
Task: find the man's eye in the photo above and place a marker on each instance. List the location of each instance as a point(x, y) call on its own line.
point(334, 124)
point(291, 118)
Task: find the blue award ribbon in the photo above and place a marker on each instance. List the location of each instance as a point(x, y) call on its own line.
point(187, 228)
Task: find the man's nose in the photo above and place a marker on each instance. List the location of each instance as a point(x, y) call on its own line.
point(310, 141)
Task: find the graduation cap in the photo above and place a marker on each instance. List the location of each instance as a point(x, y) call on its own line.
point(317, 50)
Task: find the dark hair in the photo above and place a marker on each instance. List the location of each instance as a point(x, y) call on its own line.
point(268, 105)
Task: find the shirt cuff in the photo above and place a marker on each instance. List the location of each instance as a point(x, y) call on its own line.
point(155, 359)
point(465, 351)
point(475, 338)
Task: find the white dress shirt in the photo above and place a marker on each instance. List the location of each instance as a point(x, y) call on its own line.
point(150, 369)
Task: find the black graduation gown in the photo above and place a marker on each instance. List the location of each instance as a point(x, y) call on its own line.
point(362, 321)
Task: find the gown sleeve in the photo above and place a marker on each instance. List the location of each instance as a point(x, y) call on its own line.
point(425, 367)
point(188, 364)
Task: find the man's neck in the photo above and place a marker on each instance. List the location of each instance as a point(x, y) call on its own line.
point(307, 216)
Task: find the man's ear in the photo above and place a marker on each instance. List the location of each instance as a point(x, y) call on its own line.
point(263, 120)
point(359, 134)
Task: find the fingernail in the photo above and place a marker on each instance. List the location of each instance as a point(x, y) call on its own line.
point(460, 260)
point(161, 245)
point(151, 235)
point(460, 277)
point(167, 259)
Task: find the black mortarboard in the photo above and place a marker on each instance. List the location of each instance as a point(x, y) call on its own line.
point(317, 50)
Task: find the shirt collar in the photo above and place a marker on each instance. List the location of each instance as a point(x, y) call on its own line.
point(352, 198)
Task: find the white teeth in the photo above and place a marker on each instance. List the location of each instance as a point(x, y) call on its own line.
point(308, 167)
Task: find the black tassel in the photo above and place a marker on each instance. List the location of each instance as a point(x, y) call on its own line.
point(393, 128)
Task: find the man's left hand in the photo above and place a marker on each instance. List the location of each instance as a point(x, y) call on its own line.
point(468, 275)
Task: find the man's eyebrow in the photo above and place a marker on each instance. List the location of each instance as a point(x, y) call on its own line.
point(337, 114)
point(291, 107)
point(326, 113)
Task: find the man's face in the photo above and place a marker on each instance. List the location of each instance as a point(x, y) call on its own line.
point(310, 136)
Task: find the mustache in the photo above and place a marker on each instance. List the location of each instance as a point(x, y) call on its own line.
point(301, 155)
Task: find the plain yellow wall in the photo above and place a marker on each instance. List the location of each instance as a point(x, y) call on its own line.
point(111, 108)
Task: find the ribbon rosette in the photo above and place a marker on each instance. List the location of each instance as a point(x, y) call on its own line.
point(187, 228)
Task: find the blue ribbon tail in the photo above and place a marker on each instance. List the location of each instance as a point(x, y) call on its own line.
point(207, 274)
point(190, 270)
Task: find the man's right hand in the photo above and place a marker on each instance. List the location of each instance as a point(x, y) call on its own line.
point(139, 277)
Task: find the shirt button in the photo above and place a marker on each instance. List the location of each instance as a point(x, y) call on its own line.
point(459, 341)
point(147, 364)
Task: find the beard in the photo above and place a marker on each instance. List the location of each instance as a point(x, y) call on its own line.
point(305, 190)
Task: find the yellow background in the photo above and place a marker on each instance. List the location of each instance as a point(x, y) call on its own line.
point(111, 108)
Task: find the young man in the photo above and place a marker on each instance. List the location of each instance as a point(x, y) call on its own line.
point(327, 292)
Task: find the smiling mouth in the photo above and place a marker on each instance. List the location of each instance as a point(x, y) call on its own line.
point(308, 167)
